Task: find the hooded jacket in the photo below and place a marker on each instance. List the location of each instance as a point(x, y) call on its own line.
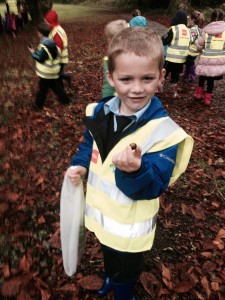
point(211, 46)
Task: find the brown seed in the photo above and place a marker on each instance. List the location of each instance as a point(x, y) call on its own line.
point(133, 146)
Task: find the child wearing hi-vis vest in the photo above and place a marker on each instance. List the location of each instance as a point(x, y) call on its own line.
point(195, 23)
point(177, 39)
point(132, 151)
point(47, 67)
point(211, 63)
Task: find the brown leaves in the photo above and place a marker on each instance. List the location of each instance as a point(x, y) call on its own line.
point(187, 259)
point(12, 287)
point(91, 282)
point(12, 197)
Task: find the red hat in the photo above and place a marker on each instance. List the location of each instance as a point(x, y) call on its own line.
point(52, 18)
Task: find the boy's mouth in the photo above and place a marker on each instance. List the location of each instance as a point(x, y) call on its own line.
point(137, 98)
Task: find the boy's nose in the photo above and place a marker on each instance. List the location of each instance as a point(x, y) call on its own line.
point(137, 87)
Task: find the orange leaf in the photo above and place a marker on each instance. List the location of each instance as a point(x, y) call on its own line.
point(12, 197)
point(24, 264)
point(91, 282)
point(69, 288)
point(40, 180)
point(166, 272)
point(205, 285)
point(183, 287)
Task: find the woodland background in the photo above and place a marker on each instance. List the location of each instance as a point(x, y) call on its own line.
point(187, 259)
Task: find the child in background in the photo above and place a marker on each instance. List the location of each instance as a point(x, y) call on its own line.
point(182, 12)
point(59, 35)
point(178, 40)
point(211, 63)
point(125, 179)
point(195, 23)
point(138, 19)
point(111, 29)
point(47, 67)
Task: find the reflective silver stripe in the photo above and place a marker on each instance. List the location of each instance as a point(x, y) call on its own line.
point(52, 75)
point(108, 188)
point(214, 53)
point(179, 47)
point(165, 128)
point(64, 56)
point(51, 66)
point(123, 230)
point(176, 35)
point(175, 56)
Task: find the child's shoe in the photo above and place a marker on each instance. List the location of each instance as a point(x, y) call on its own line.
point(175, 93)
point(199, 93)
point(207, 98)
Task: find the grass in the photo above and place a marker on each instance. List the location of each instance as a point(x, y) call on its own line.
point(69, 12)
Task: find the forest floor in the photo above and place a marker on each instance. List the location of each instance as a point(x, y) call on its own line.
point(187, 260)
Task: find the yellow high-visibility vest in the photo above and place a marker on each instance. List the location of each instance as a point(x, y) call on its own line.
point(12, 6)
point(64, 57)
point(118, 221)
point(50, 68)
point(193, 46)
point(214, 46)
point(179, 47)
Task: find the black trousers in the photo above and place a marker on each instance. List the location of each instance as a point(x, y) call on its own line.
point(124, 266)
point(53, 84)
point(175, 69)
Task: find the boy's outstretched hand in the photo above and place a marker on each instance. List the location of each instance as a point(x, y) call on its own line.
point(76, 174)
point(128, 160)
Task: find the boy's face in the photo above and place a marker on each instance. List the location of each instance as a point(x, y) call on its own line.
point(136, 79)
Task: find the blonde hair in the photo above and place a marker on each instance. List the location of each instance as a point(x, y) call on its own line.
point(114, 27)
point(138, 40)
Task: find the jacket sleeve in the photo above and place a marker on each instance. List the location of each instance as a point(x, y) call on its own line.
point(201, 43)
point(40, 56)
point(152, 179)
point(83, 156)
point(167, 38)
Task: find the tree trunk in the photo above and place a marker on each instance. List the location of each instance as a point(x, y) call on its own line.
point(38, 8)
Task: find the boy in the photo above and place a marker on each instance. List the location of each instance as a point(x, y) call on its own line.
point(125, 179)
point(47, 67)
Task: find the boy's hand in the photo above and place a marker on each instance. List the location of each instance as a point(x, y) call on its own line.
point(31, 49)
point(76, 174)
point(128, 160)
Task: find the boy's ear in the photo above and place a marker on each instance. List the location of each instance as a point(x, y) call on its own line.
point(162, 75)
point(161, 79)
point(110, 79)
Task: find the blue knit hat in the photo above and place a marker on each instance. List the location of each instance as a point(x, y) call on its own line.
point(138, 21)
